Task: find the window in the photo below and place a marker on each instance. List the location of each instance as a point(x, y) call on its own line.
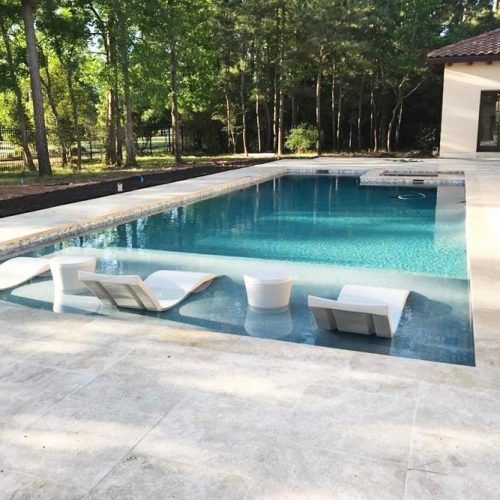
point(489, 121)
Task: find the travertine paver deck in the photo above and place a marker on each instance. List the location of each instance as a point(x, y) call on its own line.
point(97, 408)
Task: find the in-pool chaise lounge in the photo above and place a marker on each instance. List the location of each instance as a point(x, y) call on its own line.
point(160, 291)
point(360, 309)
point(18, 270)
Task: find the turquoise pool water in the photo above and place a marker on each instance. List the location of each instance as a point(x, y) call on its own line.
point(328, 231)
point(311, 219)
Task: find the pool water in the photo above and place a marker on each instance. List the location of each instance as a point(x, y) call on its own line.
point(328, 231)
point(311, 219)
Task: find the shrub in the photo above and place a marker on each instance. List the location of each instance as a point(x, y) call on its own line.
point(301, 138)
point(427, 138)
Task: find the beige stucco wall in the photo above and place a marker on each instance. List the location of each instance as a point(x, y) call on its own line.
point(461, 96)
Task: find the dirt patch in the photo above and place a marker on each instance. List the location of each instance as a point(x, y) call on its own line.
point(16, 199)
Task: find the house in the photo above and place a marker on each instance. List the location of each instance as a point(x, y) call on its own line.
point(470, 125)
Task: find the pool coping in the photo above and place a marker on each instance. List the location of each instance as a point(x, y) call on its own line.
point(479, 242)
point(11, 247)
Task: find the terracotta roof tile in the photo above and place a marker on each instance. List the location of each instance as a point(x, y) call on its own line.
point(483, 46)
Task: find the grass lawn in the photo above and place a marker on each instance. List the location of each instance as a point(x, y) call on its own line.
point(97, 170)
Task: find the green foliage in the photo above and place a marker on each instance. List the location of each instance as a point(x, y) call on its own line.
point(426, 139)
point(302, 138)
point(235, 60)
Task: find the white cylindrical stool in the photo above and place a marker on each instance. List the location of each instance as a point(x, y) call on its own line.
point(268, 288)
point(65, 271)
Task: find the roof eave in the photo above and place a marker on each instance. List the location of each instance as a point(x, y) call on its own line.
point(436, 61)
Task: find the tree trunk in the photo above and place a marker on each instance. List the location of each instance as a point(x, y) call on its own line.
point(373, 123)
point(111, 156)
point(350, 133)
point(66, 62)
point(243, 113)
point(76, 124)
point(22, 119)
point(269, 128)
point(123, 29)
point(256, 54)
point(42, 148)
point(360, 111)
point(111, 133)
point(175, 102)
point(130, 159)
point(120, 133)
point(390, 128)
point(294, 112)
point(231, 139)
point(257, 120)
point(370, 139)
point(53, 106)
point(275, 110)
point(383, 125)
point(228, 122)
point(318, 110)
point(108, 38)
point(339, 121)
point(397, 136)
point(118, 113)
point(334, 115)
point(280, 121)
point(281, 94)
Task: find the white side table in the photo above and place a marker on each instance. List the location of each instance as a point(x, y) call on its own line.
point(268, 287)
point(65, 271)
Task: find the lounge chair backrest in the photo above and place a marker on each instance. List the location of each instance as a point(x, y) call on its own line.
point(18, 270)
point(121, 291)
point(350, 317)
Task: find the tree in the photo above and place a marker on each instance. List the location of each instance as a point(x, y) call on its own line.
point(105, 25)
point(323, 21)
point(11, 81)
point(177, 52)
point(65, 30)
point(124, 42)
point(228, 75)
point(42, 148)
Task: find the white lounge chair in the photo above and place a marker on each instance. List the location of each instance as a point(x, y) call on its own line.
point(360, 309)
point(160, 291)
point(18, 270)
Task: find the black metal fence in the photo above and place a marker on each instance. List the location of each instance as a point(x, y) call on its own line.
point(93, 147)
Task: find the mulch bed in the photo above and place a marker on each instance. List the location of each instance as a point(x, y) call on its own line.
point(16, 199)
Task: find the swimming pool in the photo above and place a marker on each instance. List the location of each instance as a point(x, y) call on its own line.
point(328, 231)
